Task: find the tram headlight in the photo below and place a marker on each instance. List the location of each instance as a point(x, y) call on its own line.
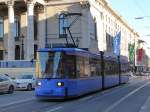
point(60, 84)
point(39, 83)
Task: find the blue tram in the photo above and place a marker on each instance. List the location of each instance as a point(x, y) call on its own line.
point(71, 72)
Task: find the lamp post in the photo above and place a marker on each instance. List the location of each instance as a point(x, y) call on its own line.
point(22, 47)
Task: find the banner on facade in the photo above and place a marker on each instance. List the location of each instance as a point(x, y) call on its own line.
point(116, 43)
point(140, 54)
point(131, 53)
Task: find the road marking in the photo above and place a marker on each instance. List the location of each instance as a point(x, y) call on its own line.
point(55, 109)
point(125, 97)
point(17, 102)
point(144, 107)
point(116, 89)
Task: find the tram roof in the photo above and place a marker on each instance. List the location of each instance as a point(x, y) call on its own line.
point(79, 52)
point(73, 51)
point(59, 49)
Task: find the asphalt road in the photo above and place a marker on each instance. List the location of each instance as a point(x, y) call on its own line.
point(131, 97)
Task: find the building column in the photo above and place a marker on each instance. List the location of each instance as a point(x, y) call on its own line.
point(30, 31)
point(42, 28)
point(100, 32)
point(11, 39)
point(85, 31)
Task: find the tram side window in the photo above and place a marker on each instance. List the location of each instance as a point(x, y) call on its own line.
point(95, 67)
point(111, 67)
point(98, 67)
point(83, 67)
point(123, 68)
point(107, 68)
point(116, 68)
point(70, 66)
point(87, 67)
point(80, 67)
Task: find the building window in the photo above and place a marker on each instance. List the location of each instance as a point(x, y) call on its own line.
point(1, 54)
point(35, 50)
point(35, 27)
point(63, 23)
point(17, 27)
point(17, 52)
point(95, 29)
point(1, 27)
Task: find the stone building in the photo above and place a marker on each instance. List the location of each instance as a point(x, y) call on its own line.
point(27, 25)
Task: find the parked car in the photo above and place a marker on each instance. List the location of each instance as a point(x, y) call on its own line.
point(25, 82)
point(6, 84)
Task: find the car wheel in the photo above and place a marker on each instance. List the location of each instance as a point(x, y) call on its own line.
point(11, 89)
point(29, 87)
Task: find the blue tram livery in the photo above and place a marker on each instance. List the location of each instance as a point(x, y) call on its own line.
point(71, 72)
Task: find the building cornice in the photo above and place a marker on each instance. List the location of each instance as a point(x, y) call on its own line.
point(109, 8)
point(120, 18)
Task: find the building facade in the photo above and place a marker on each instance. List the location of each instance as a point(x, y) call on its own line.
point(27, 25)
point(143, 54)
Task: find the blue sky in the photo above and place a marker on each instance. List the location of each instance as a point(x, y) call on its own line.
point(129, 9)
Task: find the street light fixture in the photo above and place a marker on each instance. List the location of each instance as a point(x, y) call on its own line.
point(22, 47)
point(148, 35)
point(142, 17)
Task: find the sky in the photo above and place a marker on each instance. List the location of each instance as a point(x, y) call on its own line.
point(129, 9)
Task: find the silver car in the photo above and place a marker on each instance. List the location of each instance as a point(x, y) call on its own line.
point(6, 84)
point(25, 82)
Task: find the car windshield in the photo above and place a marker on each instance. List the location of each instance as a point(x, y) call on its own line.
point(25, 77)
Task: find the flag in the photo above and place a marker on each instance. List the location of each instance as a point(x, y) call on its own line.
point(116, 44)
point(140, 54)
point(131, 52)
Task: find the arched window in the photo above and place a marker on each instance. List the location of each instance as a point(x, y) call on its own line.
point(63, 23)
point(17, 27)
point(1, 27)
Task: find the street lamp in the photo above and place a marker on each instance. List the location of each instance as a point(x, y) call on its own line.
point(148, 35)
point(142, 17)
point(22, 47)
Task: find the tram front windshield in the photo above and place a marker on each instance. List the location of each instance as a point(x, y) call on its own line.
point(56, 65)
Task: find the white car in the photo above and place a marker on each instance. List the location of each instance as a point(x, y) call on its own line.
point(25, 82)
point(6, 84)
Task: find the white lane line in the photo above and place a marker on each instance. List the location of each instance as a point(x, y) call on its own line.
point(55, 109)
point(145, 105)
point(86, 98)
point(17, 102)
point(124, 98)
